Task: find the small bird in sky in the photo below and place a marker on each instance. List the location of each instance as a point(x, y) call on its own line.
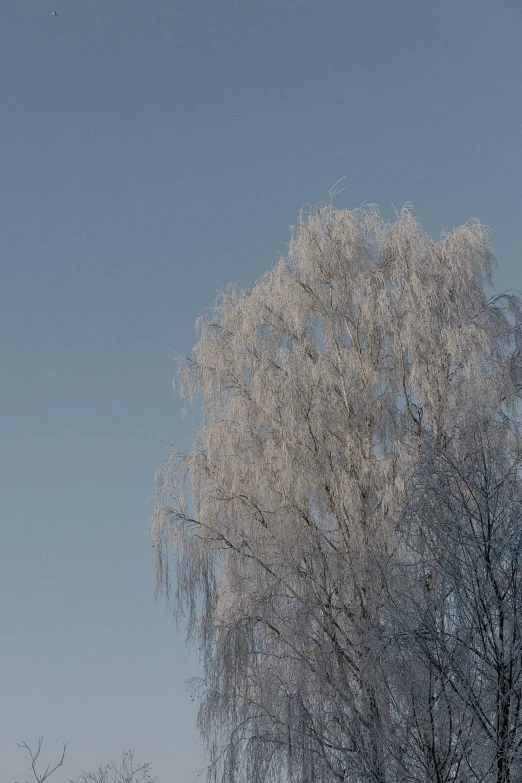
point(54, 13)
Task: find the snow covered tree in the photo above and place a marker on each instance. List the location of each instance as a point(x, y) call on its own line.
point(326, 388)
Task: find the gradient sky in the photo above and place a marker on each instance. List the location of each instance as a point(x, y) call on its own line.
point(151, 153)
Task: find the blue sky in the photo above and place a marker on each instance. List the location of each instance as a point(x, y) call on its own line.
point(151, 153)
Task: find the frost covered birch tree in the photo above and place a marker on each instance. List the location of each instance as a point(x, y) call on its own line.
point(307, 522)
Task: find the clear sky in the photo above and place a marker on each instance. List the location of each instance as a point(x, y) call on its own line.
point(150, 153)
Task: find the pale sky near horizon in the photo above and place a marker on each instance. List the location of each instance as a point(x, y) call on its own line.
point(151, 153)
